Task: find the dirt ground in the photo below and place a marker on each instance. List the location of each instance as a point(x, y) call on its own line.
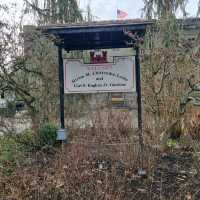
point(103, 164)
point(75, 174)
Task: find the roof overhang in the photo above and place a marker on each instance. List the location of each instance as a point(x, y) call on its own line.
point(96, 35)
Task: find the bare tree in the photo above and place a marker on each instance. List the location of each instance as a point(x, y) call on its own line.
point(198, 11)
point(163, 8)
point(54, 11)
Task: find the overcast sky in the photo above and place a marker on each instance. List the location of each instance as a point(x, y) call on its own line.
point(106, 9)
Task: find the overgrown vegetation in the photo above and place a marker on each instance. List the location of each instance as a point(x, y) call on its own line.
point(98, 162)
point(15, 149)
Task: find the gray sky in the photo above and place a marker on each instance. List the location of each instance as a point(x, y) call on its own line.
point(106, 9)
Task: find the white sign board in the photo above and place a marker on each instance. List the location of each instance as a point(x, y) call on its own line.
point(118, 76)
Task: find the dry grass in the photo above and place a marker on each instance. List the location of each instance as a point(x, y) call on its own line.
point(99, 162)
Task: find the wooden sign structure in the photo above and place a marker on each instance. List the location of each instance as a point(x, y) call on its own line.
point(98, 35)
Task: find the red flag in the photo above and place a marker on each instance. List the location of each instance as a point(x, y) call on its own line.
point(121, 14)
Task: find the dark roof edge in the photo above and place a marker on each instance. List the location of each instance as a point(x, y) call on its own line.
point(96, 24)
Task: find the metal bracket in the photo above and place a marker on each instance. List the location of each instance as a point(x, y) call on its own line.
point(136, 40)
point(57, 41)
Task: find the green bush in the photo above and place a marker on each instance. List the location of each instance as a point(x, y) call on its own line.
point(172, 143)
point(9, 149)
point(27, 140)
point(11, 153)
point(47, 134)
point(15, 148)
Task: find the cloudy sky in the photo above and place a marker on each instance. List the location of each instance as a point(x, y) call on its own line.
point(106, 9)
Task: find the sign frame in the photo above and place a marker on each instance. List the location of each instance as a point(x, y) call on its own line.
point(109, 75)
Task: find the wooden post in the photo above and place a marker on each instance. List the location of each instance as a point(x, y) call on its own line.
point(139, 101)
point(61, 87)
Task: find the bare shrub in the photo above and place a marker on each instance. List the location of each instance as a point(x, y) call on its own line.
point(194, 127)
point(99, 162)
